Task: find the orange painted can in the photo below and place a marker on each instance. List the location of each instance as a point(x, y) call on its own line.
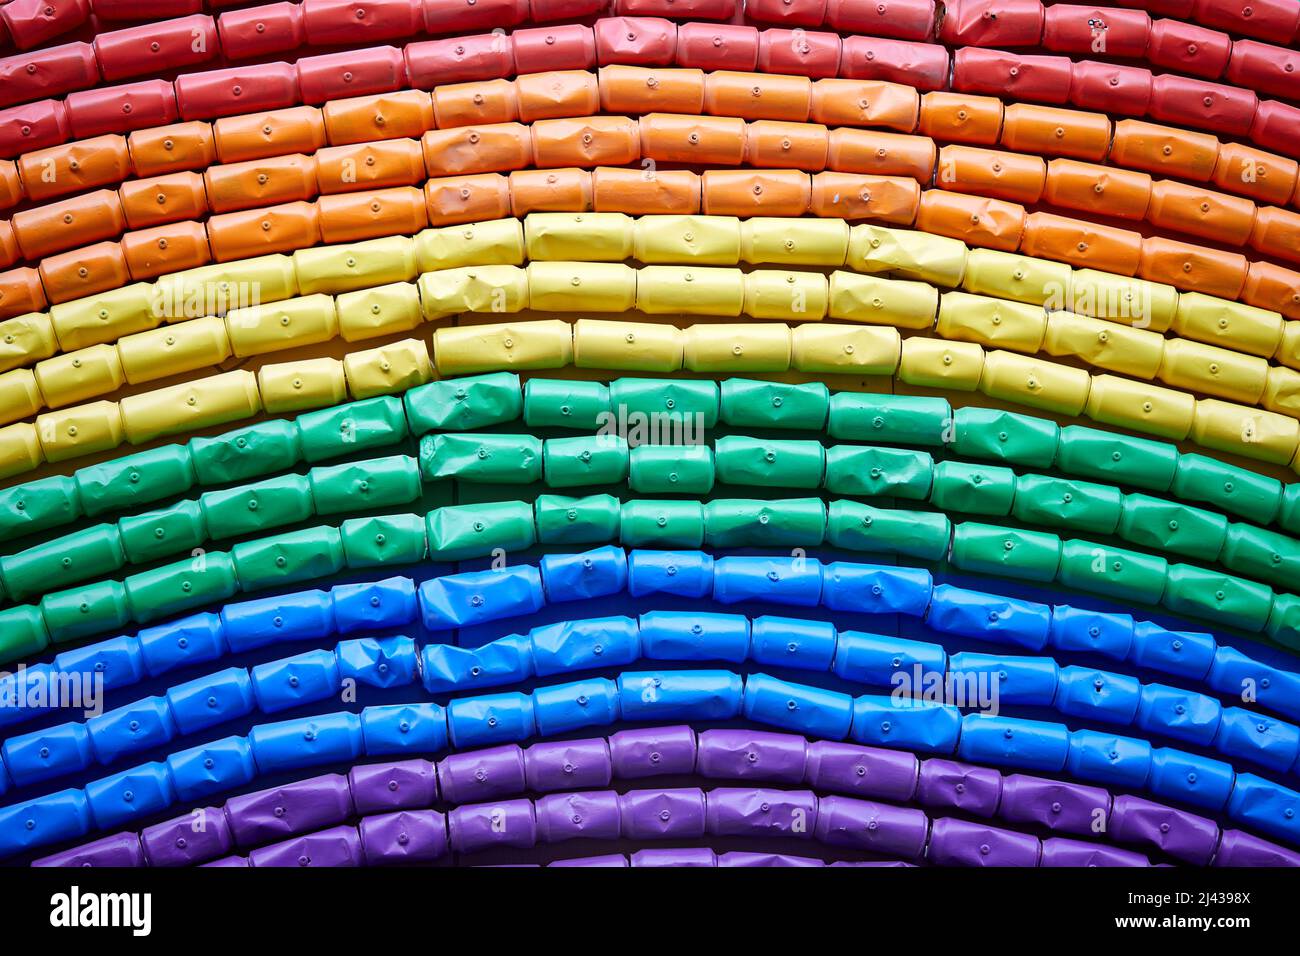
point(258, 232)
point(1201, 212)
point(11, 186)
point(881, 154)
point(45, 230)
point(84, 271)
point(1277, 233)
point(1271, 286)
point(154, 252)
point(758, 96)
point(638, 191)
point(773, 144)
point(85, 164)
point(1086, 245)
point(853, 196)
point(362, 119)
point(21, 291)
point(348, 217)
point(162, 199)
point(871, 103)
point(586, 141)
point(463, 104)
point(977, 221)
point(1264, 177)
point(456, 199)
point(1165, 150)
point(993, 173)
point(743, 192)
point(1123, 193)
point(261, 182)
point(492, 148)
point(961, 117)
point(693, 140)
point(299, 129)
point(171, 149)
point(356, 166)
point(550, 190)
point(1049, 131)
point(9, 251)
point(561, 93)
point(637, 89)
point(1192, 268)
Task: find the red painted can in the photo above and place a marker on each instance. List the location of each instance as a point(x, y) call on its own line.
point(1187, 48)
point(335, 76)
point(1265, 68)
point(996, 23)
point(1096, 31)
point(897, 19)
point(32, 126)
point(156, 48)
point(1038, 79)
point(240, 89)
point(1109, 88)
point(119, 109)
point(799, 52)
point(261, 31)
point(920, 65)
point(32, 22)
point(1202, 105)
point(566, 46)
point(717, 46)
point(50, 72)
point(457, 16)
point(638, 41)
point(354, 22)
point(432, 63)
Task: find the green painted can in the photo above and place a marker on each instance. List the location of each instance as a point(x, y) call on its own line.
point(748, 403)
point(22, 633)
point(391, 540)
point(972, 489)
point(365, 485)
point(85, 610)
point(771, 463)
point(1262, 555)
point(163, 533)
point(914, 534)
point(249, 509)
point(585, 460)
point(1119, 459)
point(348, 429)
point(877, 472)
point(1008, 552)
point(561, 403)
point(661, 410)
point(481, 457)
point(245, 453)
point(187, 584)
point(1115, 573)
point(677, 469)
point(462, 404)
point(1236, 490)
point(1171, 526)
point(90, 553)
point(38, 506)
point(987, 433)
point(782, 523)
point(1068, 503)
point(661, 524)
point(475, 531)
point(905, 419)
point(288, 558)
point(563, 520)
point(1218, 597)
point(135, 480)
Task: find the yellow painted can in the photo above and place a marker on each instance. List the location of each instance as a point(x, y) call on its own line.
point(187, 408)
point(792, 296)
point(20, 450)
point(700, 240)
point(388, 369)
point(276, 326)
point(1250, 432)
point(488, 288)
point(76, 376)
point(294, 386)
point(591, 236)
point(690, 290)
point(149, 356)
point(355, 265)
point(1008, 275)
point(737, 347)
point(383, 310)
point(939, 363)
point(993, 322)
point(847, 349)
point(874, 300)
point(1233, 325)
point(80, 430)
point(495, 242)
point(1108, 345)
point(906, 254)
point(794, 242)
point(1141, 406)
point(627, 346)
point(1035, 382)
point(462, 350)
point(26, 339)
point(1213, 371)
point(581, 286)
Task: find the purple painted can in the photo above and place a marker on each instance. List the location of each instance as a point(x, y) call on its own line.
point(407, 836)
point(1182, 835)
point(698, 856)
point(652, 752)
point(1244, 849)
point(610, 860)
point(484, 825)
point(120, 849)
point(878, 827)
point(339, 846)
point(570, 816)
point(298, 807)
point(188, 840)
point(751, 754)
point(744, 811)
point(227, 861)
point(568, 765)
point(402, 785)
point(1055, 804)
point(740, 858)
point(477, 775)
point(862, 771)
point(1061, 851)
point(959, 786)
point(656, 814)
point(963, 843)
point(889, 863)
